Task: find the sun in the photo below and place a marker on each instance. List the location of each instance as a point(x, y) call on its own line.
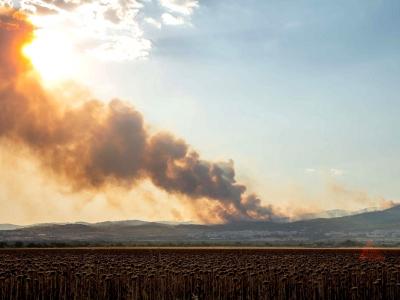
point(52, 55)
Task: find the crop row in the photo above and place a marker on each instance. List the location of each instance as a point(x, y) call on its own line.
point(198, 274)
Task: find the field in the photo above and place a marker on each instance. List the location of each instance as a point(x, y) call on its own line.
point(199, 273)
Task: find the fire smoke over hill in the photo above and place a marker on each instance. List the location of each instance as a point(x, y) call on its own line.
point(95, 144)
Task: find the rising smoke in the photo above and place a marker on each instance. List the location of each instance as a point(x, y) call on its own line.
point(94, 145)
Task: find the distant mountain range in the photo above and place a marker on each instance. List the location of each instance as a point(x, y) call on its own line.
point(382, 227)
point(335, 213)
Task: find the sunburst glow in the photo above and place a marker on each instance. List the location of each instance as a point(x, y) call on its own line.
point(52, 55)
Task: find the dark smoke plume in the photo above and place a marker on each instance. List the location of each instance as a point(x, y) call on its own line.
point(97, 144)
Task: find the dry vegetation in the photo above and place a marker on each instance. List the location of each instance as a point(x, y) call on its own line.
point(199, 274)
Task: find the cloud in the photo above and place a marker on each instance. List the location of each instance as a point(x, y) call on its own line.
point(169, 19)
point(109, 29)
point(153, 22)
point(331, 172)
point(184, 7)
point(94, 145)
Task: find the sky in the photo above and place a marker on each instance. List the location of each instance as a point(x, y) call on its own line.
point(301, 95)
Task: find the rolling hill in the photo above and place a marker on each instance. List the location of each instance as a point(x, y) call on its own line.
point(380, 226)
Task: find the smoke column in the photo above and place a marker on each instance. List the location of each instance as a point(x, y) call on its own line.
point(95, 144)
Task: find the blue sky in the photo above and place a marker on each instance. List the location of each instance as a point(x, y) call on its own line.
point(293, 91)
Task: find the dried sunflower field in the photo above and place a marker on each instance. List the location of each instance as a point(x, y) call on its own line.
point(199, 273)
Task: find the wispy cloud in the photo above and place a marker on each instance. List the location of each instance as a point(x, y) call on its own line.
point(169, 19)
point(153, 22)
point(184, 7)
point(332, 171)
point(109, 29)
